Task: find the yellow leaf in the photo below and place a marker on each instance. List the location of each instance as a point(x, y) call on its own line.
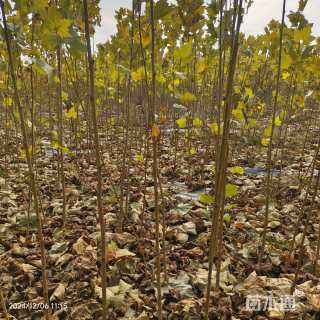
point(206, 198)
point(114, 74)
point(65, 149)
point(277, 121)
point(201, 66)
point(187, 97)
point(99, 83)
point(236, 170)
point(155, 132)
point(64, 96)
point(231, 190)
point(267, 131)
point(236, 89)
point(55, 79)
point(138, 157)
point(299, 100)
point(161, 78)
point(72, 113)
point(182, 122)
point(54, 134)
point(285, 75)
point(249, 92)
point(57, 146)
point(31, 152)
point(214, 128)
point(176, 82)
point(7, 101)
point(193, 151)
point(197, 122)
point(282, 114)
point(138, 74)
point(241, 105)
point(252, 123)
point(265, 142)
point(23, 153)
point(145, 40)
point(238, 114)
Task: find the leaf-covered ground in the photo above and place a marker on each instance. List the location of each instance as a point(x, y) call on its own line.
point(73, 264)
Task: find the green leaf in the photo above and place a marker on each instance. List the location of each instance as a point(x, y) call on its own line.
point(76, 47)
point(39, 6)
point(206, 199)
point(286, 61)
point(63, 28)
point(227, 218)
point(55, 24)
point(231, 190)
point(162, 9)
point(302, 35)
point(184, 53)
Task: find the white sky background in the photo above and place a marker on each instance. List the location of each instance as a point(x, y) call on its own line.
point(260, 13)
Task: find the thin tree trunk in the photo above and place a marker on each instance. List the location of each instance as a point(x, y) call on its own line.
point(269, 155)
point(155, 163)
point(223, 152)
point(29, 161)
point(60, 128)
point(98, 162)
